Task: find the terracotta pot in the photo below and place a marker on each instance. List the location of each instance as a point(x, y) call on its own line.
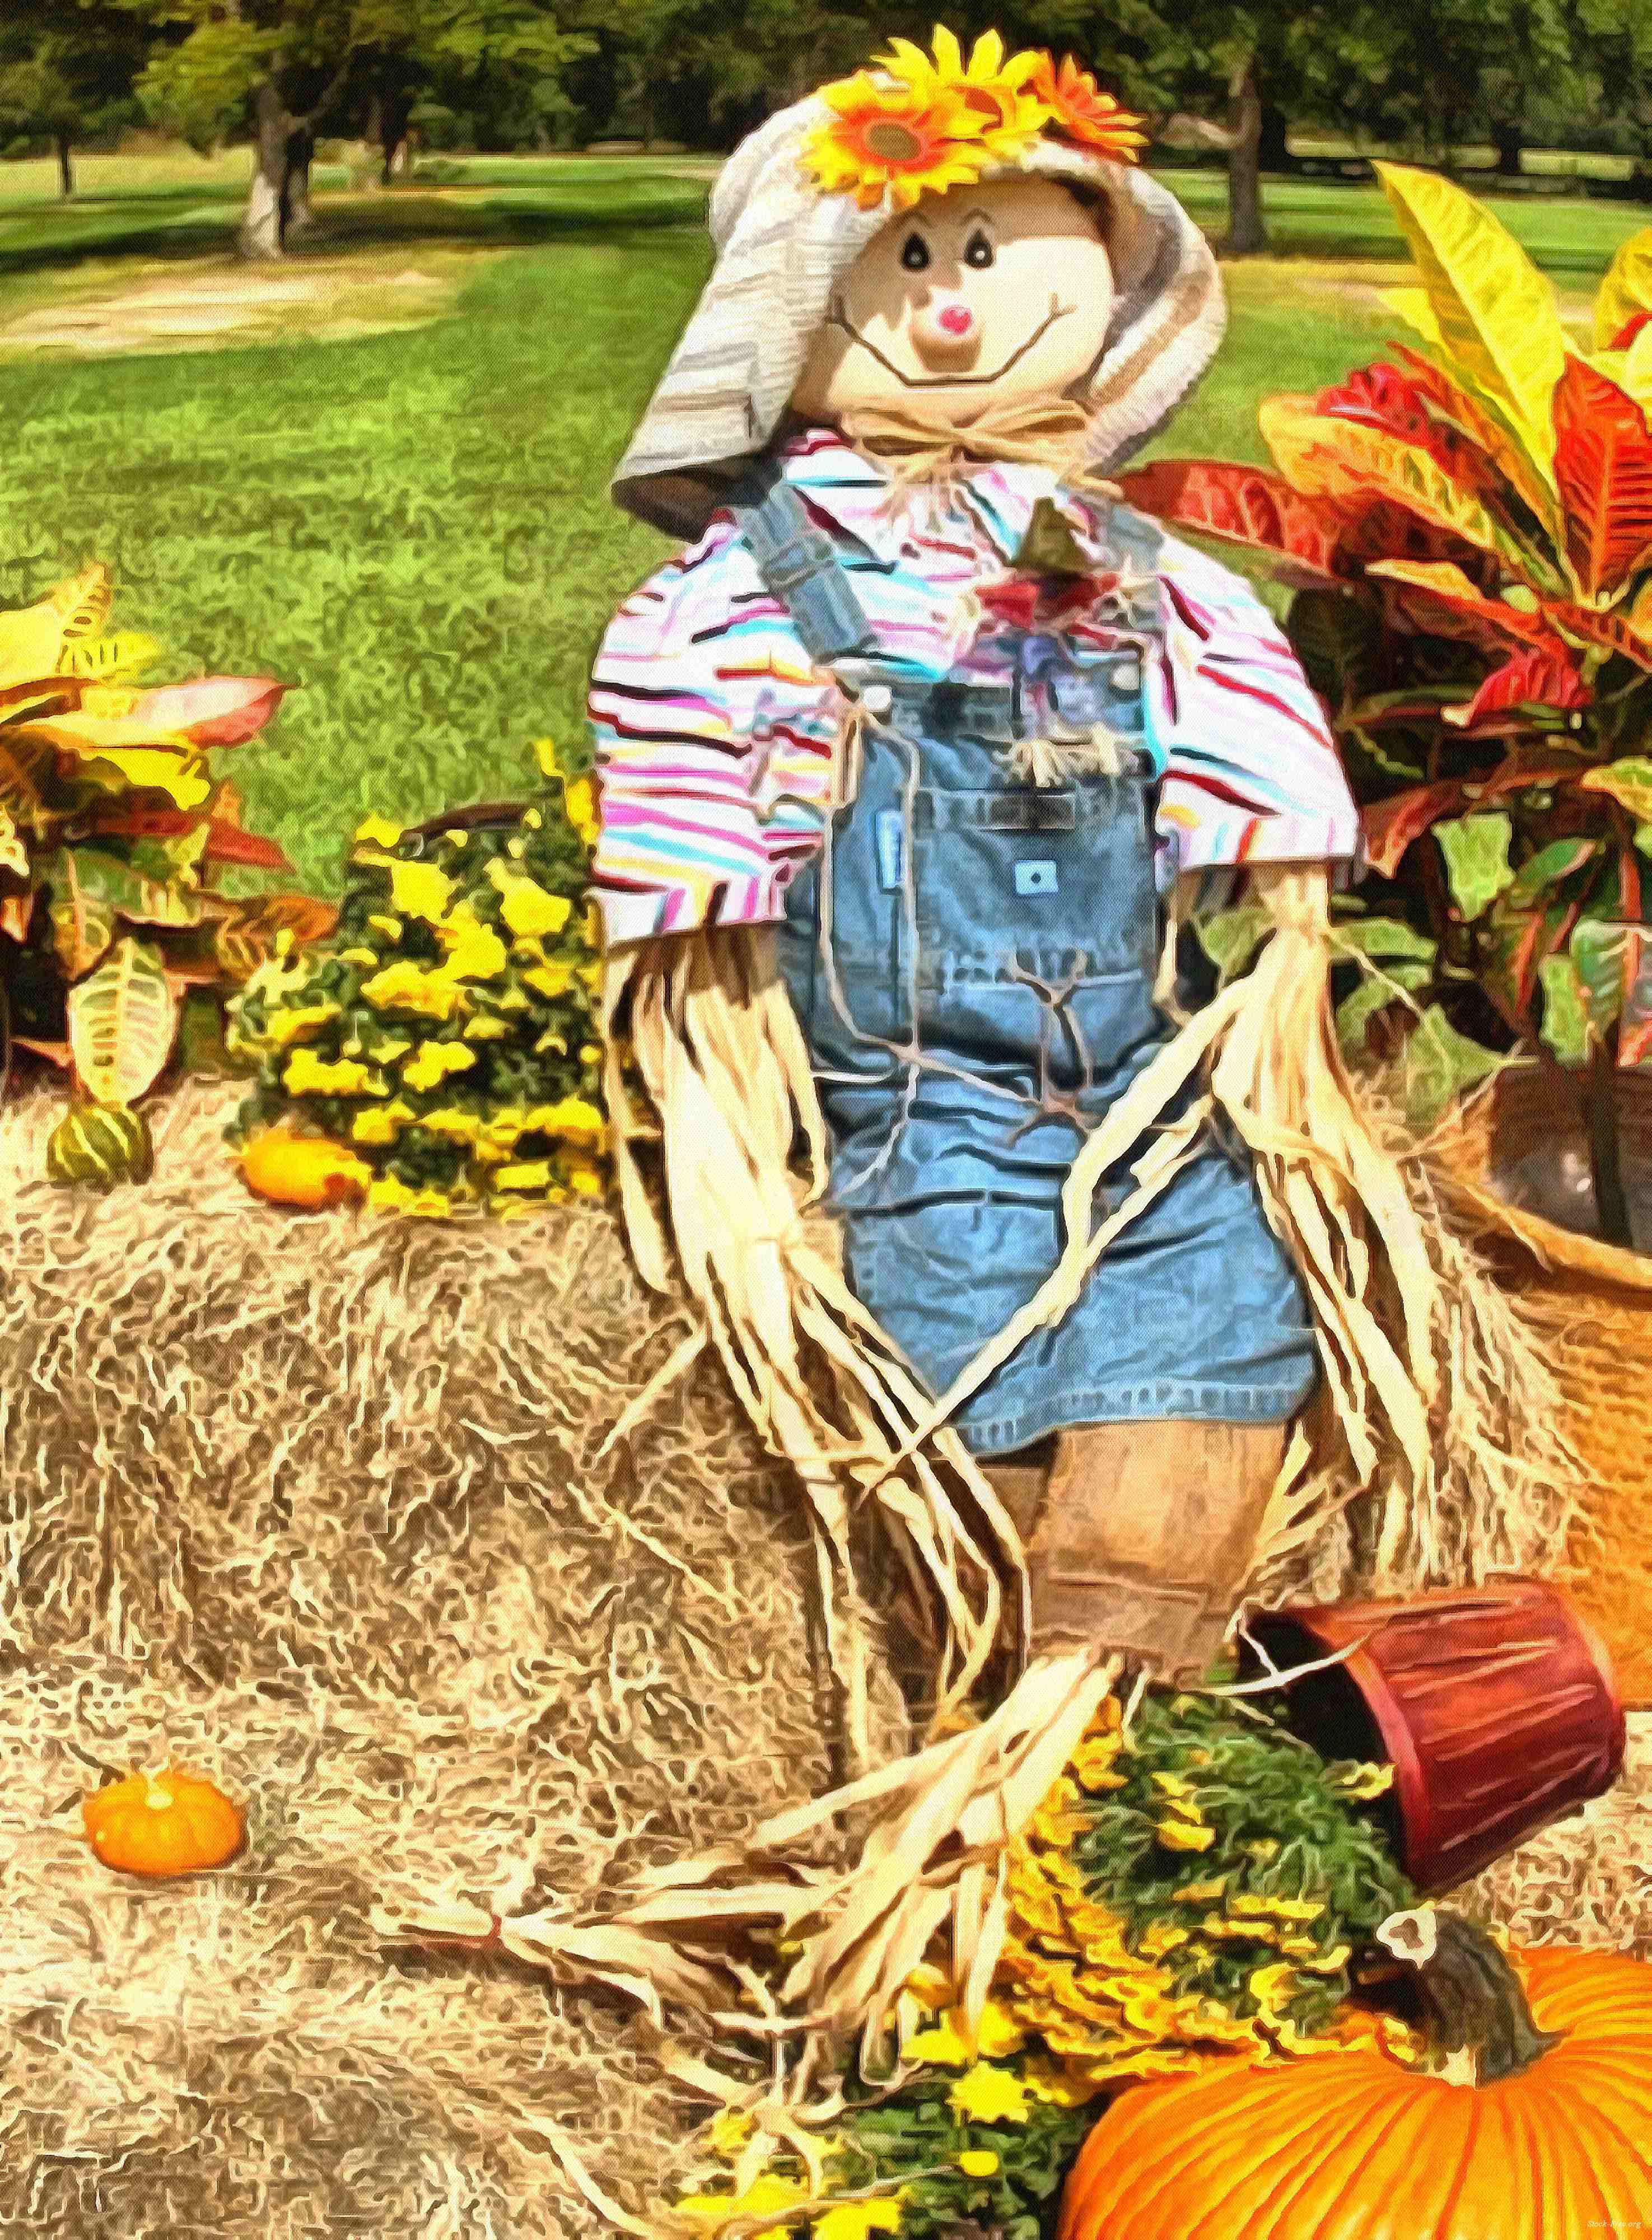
point(1496, 1707)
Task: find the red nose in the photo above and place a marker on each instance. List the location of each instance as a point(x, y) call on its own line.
point(955, 319)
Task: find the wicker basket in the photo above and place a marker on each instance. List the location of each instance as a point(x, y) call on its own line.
point(1593, 1302)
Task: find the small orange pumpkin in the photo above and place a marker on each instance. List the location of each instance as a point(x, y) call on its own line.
point(1551, 2141)
point(302, 1170)
point(163, 1823)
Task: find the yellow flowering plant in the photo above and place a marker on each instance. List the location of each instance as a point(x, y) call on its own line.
point(448, 1031)
point(1195, 1893)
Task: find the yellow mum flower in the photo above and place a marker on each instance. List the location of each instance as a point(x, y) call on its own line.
point(999, 2032)
point(388, 1196)
point(1181, 1836)
point(525, 1175)
point(292, 1025)
point(405, 986)
point(358, 955)
point(943, 2043)
point(765, 2197)
point(977, 2161)
point(381, 1123)
point(527, 908)
point(591, 1054)
point(454, 1122)
point(419, 889)
point(306, 1075)
point(474, 950)
point(579, 806)
point(484, 1030)
point(1059, 2086)
point(377, 831)
point(854, 2220)
point(574, 1117)
point(583, 1179)
point(389, 927)
point(986, 2095)
point(433, 1061)
point(1201, 1893)
point(1160, 1937)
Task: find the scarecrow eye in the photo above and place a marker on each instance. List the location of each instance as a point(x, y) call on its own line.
point(915, 253)
point(978, 251)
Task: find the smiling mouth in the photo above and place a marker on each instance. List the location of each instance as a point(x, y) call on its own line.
point(839, 318)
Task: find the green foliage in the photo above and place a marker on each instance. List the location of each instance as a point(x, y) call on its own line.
point(112, 826)
point(446, 1033)
point(913, 2141)
point(1268, 1820)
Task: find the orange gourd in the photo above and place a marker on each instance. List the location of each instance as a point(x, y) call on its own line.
point(163, 1823)
point(1553, 2142)
point(302, 1170)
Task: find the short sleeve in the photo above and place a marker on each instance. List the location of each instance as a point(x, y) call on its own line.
point(714, 739)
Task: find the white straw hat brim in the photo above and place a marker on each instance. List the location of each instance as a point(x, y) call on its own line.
point(782, 246)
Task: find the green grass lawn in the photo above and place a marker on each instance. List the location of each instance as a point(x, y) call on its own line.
point(413, 526)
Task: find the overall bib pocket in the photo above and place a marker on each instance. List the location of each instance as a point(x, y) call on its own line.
point(1035, 916)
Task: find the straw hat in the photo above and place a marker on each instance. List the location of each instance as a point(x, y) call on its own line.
point(782, 246)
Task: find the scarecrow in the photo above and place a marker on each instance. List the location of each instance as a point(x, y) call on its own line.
point(914, 767)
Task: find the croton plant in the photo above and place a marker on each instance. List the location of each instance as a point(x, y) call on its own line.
point(1467, 526)
point(117, 950)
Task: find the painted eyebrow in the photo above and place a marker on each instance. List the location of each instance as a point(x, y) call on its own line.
point(983, 214)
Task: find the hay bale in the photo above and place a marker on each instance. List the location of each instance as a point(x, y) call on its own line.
point(314, 1503)
point(1587, 1881)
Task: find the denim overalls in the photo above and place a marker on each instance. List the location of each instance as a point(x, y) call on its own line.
point(1011, 930)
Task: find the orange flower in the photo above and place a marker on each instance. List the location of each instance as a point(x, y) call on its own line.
point(888, 137)
point(1082, 112)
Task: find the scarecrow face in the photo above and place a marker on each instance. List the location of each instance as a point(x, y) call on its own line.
point(992, 294)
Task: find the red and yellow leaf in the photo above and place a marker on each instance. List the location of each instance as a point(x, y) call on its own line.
point(1390, 826)
point(1603, 469)
point(1541, 676)
point(1241, 505)
point(1459, 608)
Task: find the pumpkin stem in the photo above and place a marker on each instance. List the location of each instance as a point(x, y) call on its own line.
point(1474, 1999)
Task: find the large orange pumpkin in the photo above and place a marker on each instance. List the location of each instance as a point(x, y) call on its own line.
point(163, 1823)
point(1554, 2142)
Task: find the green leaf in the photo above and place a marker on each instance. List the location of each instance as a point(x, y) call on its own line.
point(1387, 937)
point(1336, 636)
point(1566, 1023)
point(1476, 858)
point(124, 890)
point(1373, 996)
point(1607, 952)
point(1232, 937)
point(1643, 838)
point(1628, 781)
point(121, 1021)
point(1440, 1064)
point(1549, 865)
point(83, 917)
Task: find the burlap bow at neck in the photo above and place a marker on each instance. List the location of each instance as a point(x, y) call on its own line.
point(916, 448)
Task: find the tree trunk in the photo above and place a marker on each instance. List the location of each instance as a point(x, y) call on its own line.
point(393, 140)
point(1273, 150)
point(1247, 234)
point(65, 167)
point(261, 223)
point(1510, 142)
point(296, 216)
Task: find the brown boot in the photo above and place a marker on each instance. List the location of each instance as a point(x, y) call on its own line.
point(1144, 1538)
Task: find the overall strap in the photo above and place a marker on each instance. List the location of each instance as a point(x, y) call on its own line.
point(799, 566)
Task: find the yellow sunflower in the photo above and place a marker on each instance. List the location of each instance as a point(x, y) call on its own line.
point(1081, 112)
point(886, 138)
point(999, 94)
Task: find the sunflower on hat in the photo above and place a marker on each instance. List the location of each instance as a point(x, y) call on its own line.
point(918, 123)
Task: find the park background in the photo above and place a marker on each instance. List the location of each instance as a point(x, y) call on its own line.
point(324, 321)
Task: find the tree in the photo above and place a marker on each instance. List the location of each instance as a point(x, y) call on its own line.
point(297, 65)
point(65, 71)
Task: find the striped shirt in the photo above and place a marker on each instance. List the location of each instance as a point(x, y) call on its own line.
point(715, 735)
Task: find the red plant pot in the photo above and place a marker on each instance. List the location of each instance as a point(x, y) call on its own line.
point(1496, 1707)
